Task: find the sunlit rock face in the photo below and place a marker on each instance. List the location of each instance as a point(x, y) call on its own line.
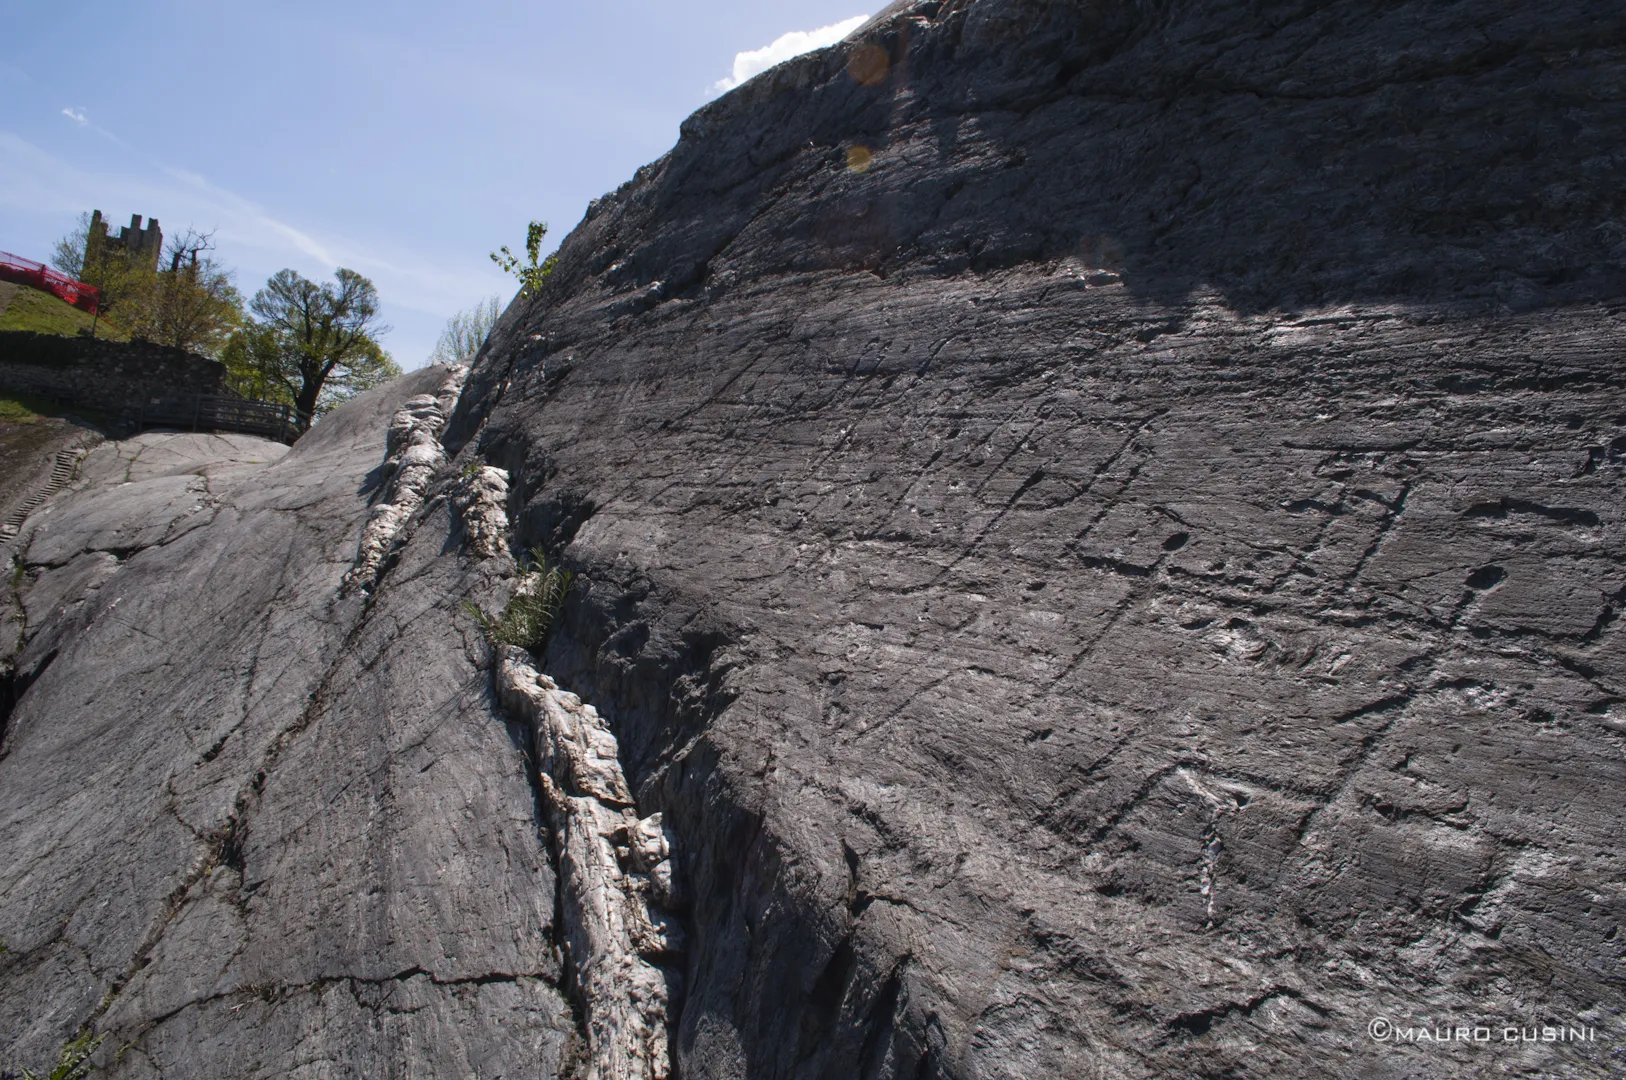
point(253, 824)
point(1104, 528)
point(1099, 542)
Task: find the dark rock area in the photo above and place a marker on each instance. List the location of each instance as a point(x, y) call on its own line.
point(116, 377)
point(1099, 529)
point(1126, 584)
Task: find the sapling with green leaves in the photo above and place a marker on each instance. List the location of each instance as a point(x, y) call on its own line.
point(535, 271)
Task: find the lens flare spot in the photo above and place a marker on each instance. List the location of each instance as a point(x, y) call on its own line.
point(868, 64)
point(859, 159)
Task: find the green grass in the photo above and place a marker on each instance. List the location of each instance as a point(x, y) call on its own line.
point(529, 616)
point(29, 410)
point(74, 1061)
point(17, 411)
point(31, 309)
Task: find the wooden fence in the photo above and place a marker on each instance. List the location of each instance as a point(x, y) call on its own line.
point(206, 412)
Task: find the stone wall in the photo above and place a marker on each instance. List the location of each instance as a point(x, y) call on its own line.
point(116, 376)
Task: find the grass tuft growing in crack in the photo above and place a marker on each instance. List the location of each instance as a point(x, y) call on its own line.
point(73, 1063)
point(529, 615)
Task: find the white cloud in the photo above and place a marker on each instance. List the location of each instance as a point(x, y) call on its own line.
point(247, 222)
point(795, 43)
point(81, 116)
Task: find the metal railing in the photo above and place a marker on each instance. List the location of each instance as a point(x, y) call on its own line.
point(208, 412)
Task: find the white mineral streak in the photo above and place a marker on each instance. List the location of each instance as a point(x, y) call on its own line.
point(615, 874)
point(481, 499)
point(412, 456)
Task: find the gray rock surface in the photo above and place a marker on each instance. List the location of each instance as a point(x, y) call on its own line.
point(247, 827)
point(33, 450)
point(1100, 536)
point(1124, 585)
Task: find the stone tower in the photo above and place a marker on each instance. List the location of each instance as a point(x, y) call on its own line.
point(140, 246)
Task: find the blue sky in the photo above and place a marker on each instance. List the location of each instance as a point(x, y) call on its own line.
point(403, 140)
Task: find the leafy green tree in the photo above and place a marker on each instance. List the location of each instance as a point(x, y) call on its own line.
point(188, 300)
point(254, 365)
point(310, 345)
point(191, 303)
point(68, 255)
point(466, 333)
point(533, 272)
point(123, 287)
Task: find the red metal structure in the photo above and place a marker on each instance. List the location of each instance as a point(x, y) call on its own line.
point(38, 275)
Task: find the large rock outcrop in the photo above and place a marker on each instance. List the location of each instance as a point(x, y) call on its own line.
point(1105, 537)
point(1101, 539)
point(254, 825)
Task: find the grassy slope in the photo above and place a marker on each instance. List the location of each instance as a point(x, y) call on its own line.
point(31, 309)
point(18, 411)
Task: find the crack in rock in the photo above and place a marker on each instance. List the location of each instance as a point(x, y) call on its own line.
point(615, 875)
point(1212, 844)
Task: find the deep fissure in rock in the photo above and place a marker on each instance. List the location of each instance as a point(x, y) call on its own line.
point(615, 875)
point(13, 685)
point(9, 693)
point(617, 890)
point(660, 673)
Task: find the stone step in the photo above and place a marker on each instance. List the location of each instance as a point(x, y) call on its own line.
point(62, 471)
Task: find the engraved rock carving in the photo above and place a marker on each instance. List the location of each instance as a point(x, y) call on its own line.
point(615, 875)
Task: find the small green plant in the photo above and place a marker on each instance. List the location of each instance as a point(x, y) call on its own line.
point(73, 1063)
point(533, 273)
point(530, 613)
point(17, 411)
